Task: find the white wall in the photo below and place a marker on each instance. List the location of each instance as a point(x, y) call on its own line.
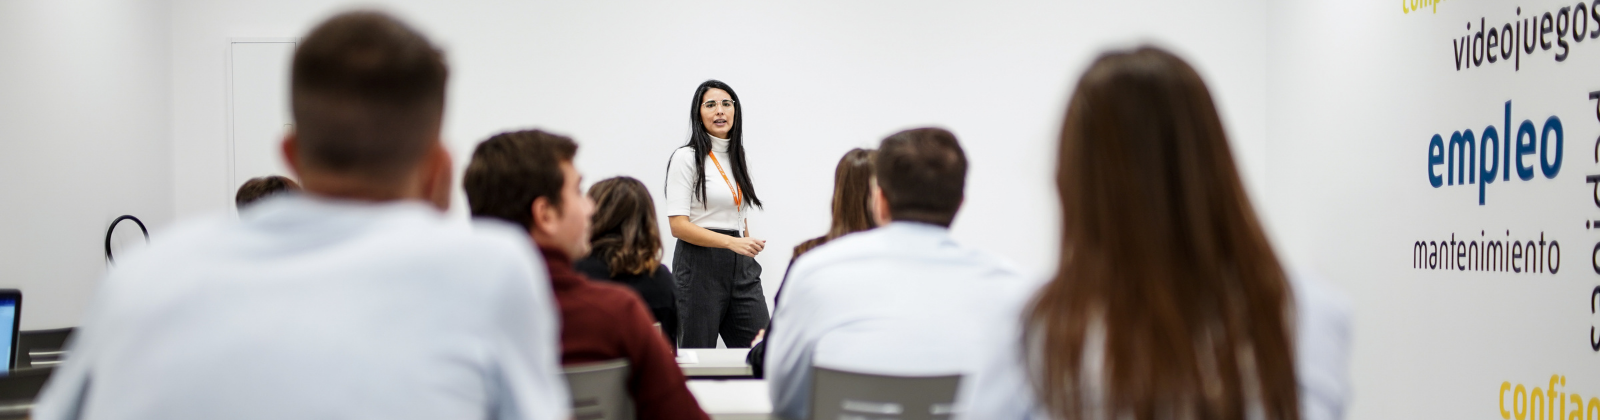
point(815, 79)
point(84, 119)
point(1357, 89)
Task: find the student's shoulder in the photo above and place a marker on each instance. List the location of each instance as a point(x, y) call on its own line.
point(617, 300)
point(485, 246)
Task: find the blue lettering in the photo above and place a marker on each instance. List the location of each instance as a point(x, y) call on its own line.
point(1466, 171)
point(1435, 158)
point(1525, 130)
point(1486, 172)
point(1550, 169)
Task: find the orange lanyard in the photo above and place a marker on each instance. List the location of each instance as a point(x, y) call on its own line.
point(738, 199)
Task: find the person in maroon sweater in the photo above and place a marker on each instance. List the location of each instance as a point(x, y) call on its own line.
point(527, 177)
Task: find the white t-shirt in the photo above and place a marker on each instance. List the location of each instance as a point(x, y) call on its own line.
point(315, 308)
point(902, 299)
point(717, 211)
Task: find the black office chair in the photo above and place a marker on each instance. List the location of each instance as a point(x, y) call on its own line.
point(40, 348)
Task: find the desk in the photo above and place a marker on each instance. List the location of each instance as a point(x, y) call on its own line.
point(715, 362)
point(733, 399)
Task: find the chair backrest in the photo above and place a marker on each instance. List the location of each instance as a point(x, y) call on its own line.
point(39, 348)
point(839, 395)
point(600, 390)
point(18, 389)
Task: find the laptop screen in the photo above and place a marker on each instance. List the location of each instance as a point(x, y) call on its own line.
point(10, 306)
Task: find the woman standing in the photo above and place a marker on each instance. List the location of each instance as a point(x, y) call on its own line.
point(625, 245)
point(708, 191)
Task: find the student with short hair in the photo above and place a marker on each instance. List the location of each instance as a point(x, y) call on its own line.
point(627, 248)
point(356, 299)
point(528, 178)
point(852, 212)
point(260, 187)
point(901, 299)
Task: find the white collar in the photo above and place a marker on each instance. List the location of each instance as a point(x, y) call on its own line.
point(718, 144)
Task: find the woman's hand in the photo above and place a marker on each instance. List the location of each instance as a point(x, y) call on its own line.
point(748, 247)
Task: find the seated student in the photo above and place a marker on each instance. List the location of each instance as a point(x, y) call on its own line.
point(262, 186)
point(852, 212)
point(901, 299)
point(627, 248)
point(356, 299)
point(1169, 302)
point(527, 178)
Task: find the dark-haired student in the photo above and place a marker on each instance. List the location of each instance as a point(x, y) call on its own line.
point(708, 193)
point(261, 187)
point(528, 178)
point(852, 212)
point(354, 299)
point(1169, 302)
point(901, 299)
point(627, 247)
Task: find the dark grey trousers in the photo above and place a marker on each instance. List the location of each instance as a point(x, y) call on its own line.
point(719, 292)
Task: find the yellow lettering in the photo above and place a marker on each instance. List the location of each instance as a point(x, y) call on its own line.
point(1555, 413)
point(1519, 403)
point(1537, 396)
point(1504, 386)
point(1577, 410)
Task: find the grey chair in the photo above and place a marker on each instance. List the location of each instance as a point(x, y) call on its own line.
point(600, 390)
point(18, 388)
point(841, 395)
point(41, 348)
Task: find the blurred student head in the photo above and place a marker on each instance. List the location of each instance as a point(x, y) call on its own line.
point(262, 186)
point(624, 231)
point(852, 199)
point(527, 178)
point(1163, 262)
point(367, 94)
point(920, 175)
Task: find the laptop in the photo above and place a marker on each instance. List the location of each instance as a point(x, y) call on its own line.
point(10, 314)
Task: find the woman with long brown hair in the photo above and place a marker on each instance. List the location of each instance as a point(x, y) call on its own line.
point(1169, 302)
point(625, 245)
point(852, 212)
point(852, 199)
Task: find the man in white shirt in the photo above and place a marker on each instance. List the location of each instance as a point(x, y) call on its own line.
point(902, 299)
point(355, 299)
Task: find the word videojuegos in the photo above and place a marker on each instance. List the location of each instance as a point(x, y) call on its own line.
point(1527, 35)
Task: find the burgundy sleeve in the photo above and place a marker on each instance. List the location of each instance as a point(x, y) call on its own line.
point(659, 390)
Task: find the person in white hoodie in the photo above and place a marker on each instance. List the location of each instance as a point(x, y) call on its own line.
point(353, 299)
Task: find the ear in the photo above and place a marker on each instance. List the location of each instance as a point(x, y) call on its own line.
point(438, 187)
point(290, 148)
point(880, 206)
point(543, 214)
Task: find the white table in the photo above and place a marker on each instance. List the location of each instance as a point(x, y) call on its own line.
point(714, 362)
point(733, 399)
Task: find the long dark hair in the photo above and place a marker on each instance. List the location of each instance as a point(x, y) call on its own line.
point(852, 199)
point(1162, 256)
point(700, 141)
point(624, 232)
